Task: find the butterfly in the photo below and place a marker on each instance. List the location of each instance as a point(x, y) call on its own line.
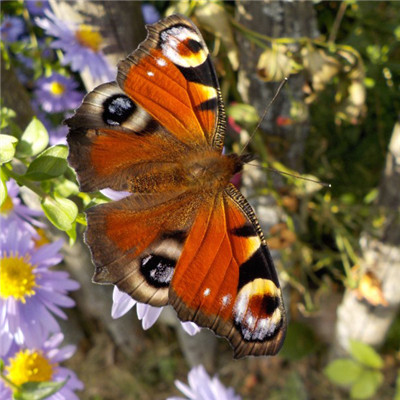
point(185, 236)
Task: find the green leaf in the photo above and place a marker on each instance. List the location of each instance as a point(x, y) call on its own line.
point(371, 196)
point(66, 188)
point(3, 190)
point(38, 390)
point(343, 371)
point(366, 385)
point(49, 164)
point(34, 139)
point(6, 115)
point(365, 354)
point(7, 148)
point(61, 212)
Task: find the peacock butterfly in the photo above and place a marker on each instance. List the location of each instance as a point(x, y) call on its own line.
point(185, 236)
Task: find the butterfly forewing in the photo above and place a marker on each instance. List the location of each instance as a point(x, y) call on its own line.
point(171, 75)
point(112, 140)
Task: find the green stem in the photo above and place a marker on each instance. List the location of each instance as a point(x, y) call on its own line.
point(338, 20)
point(345, 259)
point(259, 39)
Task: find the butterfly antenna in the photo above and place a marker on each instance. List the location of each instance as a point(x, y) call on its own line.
point(282, 84)
point(293, 175)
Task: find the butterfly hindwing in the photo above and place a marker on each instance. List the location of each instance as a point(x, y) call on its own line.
point(136, 242)
point(234, 289)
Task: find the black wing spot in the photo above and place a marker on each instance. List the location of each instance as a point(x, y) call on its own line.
point(117, 109)
point(203, 73)
point(246, 230)
point(210, 104)
point(194, 45)
point(157, 270)
point(269, 304)
point(259, 265)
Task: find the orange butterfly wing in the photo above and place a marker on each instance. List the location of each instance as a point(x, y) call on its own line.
point(171, 75)
point(135, 243)
point(225, 278)
point(183, 237)
point(112, 139)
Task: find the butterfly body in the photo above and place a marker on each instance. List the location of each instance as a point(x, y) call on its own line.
point(185, 236)
point(204, 172)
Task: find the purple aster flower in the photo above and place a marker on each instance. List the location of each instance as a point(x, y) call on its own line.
point(40, 364)
point(202, 387)
point(30, 293)
point(122, 303)
point(12, 210)
point(150, 13)
point(148, 314)
point(114, 194)
point(81, 46)
point(6, 341)
point(57, 93)
point(58, 135)
point(37, 8)
point(11, 29)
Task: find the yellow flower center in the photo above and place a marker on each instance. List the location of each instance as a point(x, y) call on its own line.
point(87, 37)
point(7, 206)
point(57, 88)
point(42, 239)
point(29, 366)
point(17, 277)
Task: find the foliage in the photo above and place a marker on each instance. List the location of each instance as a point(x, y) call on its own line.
point(362, 373)
point(47, 165)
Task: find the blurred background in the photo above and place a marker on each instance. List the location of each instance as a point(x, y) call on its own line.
point(337, 248)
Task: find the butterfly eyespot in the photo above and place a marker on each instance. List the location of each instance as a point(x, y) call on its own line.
point(181, 45)
point(157, 270)
point(257, 313)
point(257, 327)
point(117, 109)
